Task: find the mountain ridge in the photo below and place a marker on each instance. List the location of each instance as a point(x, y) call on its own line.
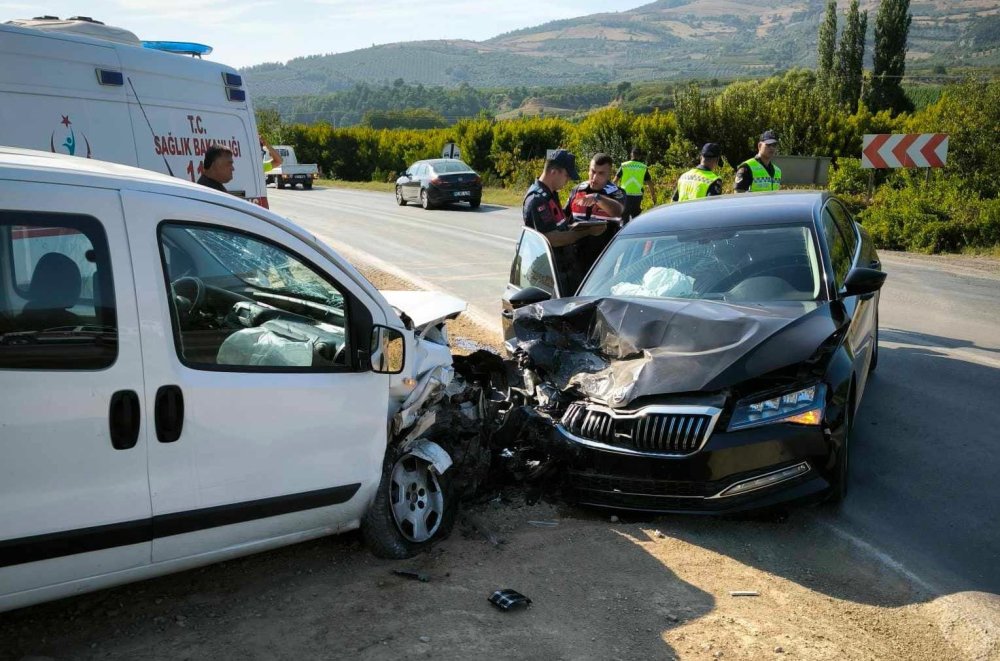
point(662, 40)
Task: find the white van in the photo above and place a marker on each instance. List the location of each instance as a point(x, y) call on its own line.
point(81, 88)
point(187, 377)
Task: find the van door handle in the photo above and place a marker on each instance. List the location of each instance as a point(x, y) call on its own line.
point(507, 314)
point(168, 414)
point(123, 419)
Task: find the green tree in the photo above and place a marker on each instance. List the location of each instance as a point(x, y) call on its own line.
point(827, 47)
point(892, 26)
point(851, 57)
point(270, 126)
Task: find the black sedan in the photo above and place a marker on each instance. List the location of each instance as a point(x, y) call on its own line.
point(439, 181)
point(713, 358)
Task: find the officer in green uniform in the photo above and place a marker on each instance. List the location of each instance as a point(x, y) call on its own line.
point(701, 181)
point(631, 177)
point(760, 173)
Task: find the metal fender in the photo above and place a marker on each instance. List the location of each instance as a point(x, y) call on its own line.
point(430, 452)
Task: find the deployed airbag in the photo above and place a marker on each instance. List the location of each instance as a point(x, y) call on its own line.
point(281, 343)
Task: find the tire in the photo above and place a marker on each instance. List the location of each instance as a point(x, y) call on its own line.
point(425, 201)
point(874, 361)
point(281, 184)
point(400, 200)
point(268, 180)
point(842, 465)
point(307, 185)
point(394, 527)
point(474, 204)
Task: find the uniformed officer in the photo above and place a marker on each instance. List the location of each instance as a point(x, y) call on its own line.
point(760, 173)
point(542, 211)
point(701, 181)
point(597, 198)
point(633, 176)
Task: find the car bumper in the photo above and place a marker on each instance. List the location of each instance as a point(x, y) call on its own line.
point(734, 471)
point(457, 194)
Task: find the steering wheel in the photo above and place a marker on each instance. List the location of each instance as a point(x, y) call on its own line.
point(189, 296)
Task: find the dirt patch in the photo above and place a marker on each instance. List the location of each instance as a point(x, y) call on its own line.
point(976, 266)
point(601, 589)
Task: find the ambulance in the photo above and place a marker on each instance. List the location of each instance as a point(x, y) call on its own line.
point(80, 87)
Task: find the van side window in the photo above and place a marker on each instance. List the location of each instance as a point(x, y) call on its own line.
point(242, 303)
point(58, 311)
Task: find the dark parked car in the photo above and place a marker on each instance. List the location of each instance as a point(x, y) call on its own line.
point(712, 359)
point(439, 181)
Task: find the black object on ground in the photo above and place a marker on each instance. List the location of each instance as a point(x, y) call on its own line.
point(412, 574)
point(507, 600)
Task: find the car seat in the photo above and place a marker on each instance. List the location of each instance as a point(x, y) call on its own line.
point(55, 287)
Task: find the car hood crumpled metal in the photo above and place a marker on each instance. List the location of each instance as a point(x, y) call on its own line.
point(617, 349)
point(425, 307)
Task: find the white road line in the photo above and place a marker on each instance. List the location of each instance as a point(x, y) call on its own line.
point(881, 556)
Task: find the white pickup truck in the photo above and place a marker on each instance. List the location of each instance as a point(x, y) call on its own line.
point(291, 172)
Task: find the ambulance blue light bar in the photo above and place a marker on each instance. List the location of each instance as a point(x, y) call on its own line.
point(179, 47)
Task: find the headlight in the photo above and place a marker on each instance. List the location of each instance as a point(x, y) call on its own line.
point(804, 407)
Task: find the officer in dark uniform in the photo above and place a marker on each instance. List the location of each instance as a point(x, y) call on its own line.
point(543, 212)
point(596, 199)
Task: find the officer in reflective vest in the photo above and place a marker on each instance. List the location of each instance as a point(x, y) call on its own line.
point(760, 173)
point(701, 181)
point(631, 177)
point(267, 150)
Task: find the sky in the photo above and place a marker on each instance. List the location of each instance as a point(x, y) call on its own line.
point(254, 31)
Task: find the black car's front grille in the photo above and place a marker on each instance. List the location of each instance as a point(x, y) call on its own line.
point(667, 433)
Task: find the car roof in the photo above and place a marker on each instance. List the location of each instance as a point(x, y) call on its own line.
point(438, 161)
point(735, 210)
point(44, 167)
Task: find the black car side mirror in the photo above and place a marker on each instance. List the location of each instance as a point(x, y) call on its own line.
point(528, 296)
point(861, 281)
point(405, 173)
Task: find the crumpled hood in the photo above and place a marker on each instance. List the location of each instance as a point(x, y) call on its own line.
point(425, 307)
point(617, 349)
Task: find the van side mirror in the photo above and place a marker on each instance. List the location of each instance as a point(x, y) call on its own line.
point(528, 296)
point(388, 350)
point(862, 281)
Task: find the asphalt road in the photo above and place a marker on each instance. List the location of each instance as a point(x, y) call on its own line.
point(924, 492)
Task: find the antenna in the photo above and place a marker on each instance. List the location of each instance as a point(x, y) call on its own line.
point(165, 162)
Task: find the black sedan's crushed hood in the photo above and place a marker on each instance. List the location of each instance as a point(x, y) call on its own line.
point(618, 349)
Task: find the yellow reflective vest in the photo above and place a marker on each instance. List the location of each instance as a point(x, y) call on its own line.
point(633, 177)
point(694, 184)
point(762, 181)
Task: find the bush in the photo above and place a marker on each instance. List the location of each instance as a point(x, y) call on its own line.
point(939, 217)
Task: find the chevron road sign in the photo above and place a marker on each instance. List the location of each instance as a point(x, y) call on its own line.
point(904, 150)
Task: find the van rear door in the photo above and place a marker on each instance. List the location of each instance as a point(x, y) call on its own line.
point(180, 106)
point(63, 95)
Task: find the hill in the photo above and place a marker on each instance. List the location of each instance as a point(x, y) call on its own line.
point(664, 40)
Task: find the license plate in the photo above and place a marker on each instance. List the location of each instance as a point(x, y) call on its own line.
point(299, 176)
point(463, 193)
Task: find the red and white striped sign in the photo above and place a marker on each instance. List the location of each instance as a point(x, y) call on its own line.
point(904, 150)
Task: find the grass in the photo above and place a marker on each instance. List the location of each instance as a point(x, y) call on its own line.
point(501, 196)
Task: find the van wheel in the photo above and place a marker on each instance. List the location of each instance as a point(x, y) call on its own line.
point(307, 185)
point(281, 184)
point(474, 204)
point(413, 508)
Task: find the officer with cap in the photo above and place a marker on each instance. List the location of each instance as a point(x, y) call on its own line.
point(760, 173)
point(542, 211)
point(701, 181)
